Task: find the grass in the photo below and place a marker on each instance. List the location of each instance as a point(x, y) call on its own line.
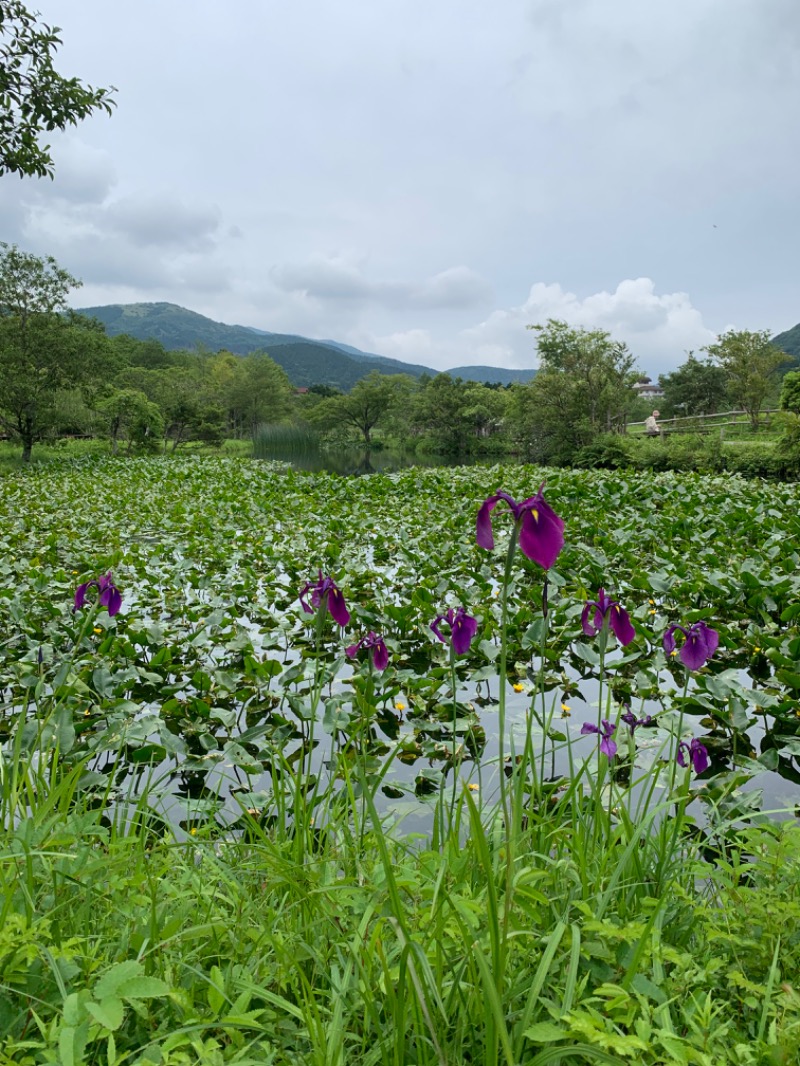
point(305, 946)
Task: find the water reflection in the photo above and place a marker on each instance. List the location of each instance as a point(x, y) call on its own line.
point(357, 462)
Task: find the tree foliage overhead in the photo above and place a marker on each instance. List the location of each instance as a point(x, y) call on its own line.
point(34, 98)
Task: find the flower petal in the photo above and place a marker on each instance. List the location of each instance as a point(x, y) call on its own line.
point(621, 625)
point(337, 607)
point(669, 638)
point(462, 631)
point(608, 747)
point(483, 532)
point(380, 656)
point(591, 626)
point(699, 756)
point(541, 535)
point(113, 600)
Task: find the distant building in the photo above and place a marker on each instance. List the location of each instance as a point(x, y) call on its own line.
point(645, 388)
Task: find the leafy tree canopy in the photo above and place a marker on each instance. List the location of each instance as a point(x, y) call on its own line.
point(696, 387)
point(34, 98)
point(750, 362)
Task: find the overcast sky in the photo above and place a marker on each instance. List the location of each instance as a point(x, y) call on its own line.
point(423, 178)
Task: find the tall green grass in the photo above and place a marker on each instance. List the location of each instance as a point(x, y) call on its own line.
point(290, 441)
point(565, 932)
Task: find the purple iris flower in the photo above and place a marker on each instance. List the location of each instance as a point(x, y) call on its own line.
point(606, 730)
point(463, 628)
point(630, 719)
point(696, 753)
point(325, 593)
point(541, 531)
point(109, 595)
point(700, 644)
point(596, 612)
point(380, 653)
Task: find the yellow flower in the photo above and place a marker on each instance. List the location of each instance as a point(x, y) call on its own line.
point(399, 705)
point(519, 688)
point(653, 611)
point(473, 788)
point(756, 650)
point(674, 652)
point(652, 603)
point(193, 831)
point(97, 629)
point(565, 710)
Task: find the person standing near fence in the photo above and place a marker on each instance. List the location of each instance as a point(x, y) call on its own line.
point(651, 427)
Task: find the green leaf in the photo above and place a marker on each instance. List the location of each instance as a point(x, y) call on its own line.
point(108, 1012)
point(769, 759)
point(546, 1033)
point(143, 988)
point(72, 1042)
point(645, 987)
point(109, 983)
point(790, 678)
point(587, 653)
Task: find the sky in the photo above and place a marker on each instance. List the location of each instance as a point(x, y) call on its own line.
point(425, 178)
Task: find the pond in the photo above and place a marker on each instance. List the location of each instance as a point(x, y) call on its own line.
point(206, 683)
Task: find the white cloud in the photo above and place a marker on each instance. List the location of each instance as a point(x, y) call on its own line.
point(341, 278)
point(658, 328)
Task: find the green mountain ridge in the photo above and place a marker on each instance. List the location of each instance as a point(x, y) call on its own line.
point(307, 361)
point(789, 342)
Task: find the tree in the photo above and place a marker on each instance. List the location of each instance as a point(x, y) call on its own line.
point(583, 388)
point(696, 387)
point(364, 407)
point(43, 348)
point(128, 413)
point(790, 392)
point(750, 363)
point(34, 97)
point(257, 391)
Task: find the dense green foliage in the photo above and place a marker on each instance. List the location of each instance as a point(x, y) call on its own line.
point(583, 387)
point(205, 890)
point(34, 98)
point(697, 387)
point(43, 352)
point(751, 364)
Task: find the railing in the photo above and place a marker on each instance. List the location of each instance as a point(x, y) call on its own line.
point(721, 421)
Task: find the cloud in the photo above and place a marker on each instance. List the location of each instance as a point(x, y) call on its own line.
point(658, 328)
point(163, 222)
point(339, 279)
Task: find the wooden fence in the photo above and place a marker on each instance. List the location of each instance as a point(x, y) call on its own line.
point(722, 421)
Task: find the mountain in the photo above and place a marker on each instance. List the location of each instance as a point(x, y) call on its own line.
point(306, 361)
point(789, 342)
point(491, 375)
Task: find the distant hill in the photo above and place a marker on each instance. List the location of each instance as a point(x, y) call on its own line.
point(306, 361)
point(491, 375)
point(789, 342)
